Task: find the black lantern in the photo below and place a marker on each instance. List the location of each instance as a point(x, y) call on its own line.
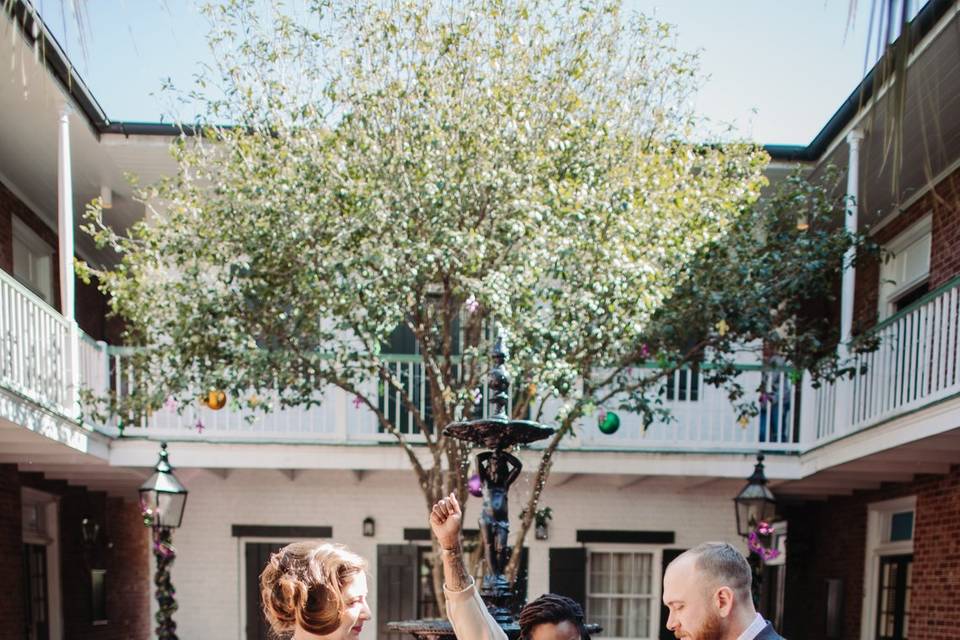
point(369, 527)
point(162, 497)
point(755, 503)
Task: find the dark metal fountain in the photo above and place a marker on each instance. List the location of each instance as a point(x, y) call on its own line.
point(497, 469)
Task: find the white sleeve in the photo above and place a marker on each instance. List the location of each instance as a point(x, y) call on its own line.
point(469, 616)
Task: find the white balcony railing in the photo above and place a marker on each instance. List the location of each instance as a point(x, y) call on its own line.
point(916, 364)
point(702, 417)
point(34, 346)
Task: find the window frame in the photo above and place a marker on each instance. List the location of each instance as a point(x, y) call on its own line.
point(656, 583)
point(890, 292)
point(37, 248)
point(878, 545)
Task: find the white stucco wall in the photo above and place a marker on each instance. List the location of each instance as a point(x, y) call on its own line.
point(208, 572)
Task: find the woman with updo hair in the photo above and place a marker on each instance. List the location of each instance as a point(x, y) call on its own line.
point(315, 590)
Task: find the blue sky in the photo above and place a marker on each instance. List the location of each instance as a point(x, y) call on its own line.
point(778, 69)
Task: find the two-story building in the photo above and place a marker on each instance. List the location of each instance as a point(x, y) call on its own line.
point(866, 471)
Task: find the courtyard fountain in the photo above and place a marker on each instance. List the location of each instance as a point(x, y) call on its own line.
point(498, 469)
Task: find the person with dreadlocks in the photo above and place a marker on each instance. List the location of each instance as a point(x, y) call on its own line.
point(549, 617)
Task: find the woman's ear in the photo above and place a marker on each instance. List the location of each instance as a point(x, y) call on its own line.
point(723, 601)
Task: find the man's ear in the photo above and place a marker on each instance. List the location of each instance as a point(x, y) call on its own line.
point(723, 601)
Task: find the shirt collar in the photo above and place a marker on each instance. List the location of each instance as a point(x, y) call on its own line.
point(754, 629)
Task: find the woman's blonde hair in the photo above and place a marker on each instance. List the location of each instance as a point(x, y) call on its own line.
point(302, 585)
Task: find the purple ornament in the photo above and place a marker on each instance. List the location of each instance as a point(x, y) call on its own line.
point(474, 486)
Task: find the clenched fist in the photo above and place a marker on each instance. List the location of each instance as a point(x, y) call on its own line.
point(446, 520)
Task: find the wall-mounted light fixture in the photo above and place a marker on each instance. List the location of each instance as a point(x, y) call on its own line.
point(369, 527)
point(90, 531)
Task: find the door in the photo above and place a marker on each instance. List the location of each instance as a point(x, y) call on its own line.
point(35, 591)
point(257, 554)
point(397, 583)
point(893, 610)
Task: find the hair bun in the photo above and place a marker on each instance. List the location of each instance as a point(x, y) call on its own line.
point(282, 595)
point(301, 586)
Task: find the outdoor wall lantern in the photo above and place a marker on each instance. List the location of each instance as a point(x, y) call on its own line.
point(90, 532)
point(162, 499)
point(755, 503)
point(369, 527)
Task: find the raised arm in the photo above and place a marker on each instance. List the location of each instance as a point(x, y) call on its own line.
point(446, 520)
point(465, 609)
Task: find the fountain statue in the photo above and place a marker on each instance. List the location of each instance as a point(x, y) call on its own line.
point(498, 469)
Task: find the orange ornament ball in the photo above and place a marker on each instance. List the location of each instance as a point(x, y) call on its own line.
point(216, 399)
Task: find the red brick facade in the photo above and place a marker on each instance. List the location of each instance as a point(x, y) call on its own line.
point(943, 202)
point(91, 305)
point(122, 549)
point(12, 610)
point(828, 540)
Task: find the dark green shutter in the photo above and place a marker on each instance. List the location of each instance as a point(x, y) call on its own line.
point(568, 573)
point(396, 587)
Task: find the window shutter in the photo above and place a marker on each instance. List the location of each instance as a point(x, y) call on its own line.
point(568, 573)
point(396, 587)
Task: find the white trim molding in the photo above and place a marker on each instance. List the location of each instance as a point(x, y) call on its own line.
point(878, 545)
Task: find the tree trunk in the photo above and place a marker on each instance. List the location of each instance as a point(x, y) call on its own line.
point(540, 481)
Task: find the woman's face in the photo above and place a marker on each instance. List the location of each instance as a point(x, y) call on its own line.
point(356, 611)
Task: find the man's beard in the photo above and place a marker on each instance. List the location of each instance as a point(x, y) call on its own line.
point(711, 629)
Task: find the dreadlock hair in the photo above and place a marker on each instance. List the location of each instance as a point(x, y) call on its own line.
point(551, 608)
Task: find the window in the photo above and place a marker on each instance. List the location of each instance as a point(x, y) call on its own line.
point(904, 278)
point(41, 565)
point(426, 597)
point(777, 423)
point(683, 385)
point(35, 591)
point(893, 608)
point(32, 261)
point(620, 593)
point(888, 569)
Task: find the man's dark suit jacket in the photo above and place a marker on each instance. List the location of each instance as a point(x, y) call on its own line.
point(767, 633)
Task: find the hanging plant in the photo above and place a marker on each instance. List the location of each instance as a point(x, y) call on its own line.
point(541, 518)
point(756, 538)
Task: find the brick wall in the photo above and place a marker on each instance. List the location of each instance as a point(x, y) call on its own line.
point(936, 561)
point(943, 201)
point(91, 305)
point(12, 609)
point(122, 549)
point(828, 540)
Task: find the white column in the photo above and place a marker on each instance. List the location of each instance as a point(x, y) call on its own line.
point(843, 409)
point(65, 218)
point(850, 224)
point(67, 278)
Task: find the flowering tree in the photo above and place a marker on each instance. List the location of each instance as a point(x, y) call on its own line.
point(458, 170)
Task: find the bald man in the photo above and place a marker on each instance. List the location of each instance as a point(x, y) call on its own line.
point(707, 590)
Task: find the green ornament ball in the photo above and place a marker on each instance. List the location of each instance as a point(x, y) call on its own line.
point(610, 423)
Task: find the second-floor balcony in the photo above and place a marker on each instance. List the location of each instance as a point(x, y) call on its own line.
point(914, 367)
